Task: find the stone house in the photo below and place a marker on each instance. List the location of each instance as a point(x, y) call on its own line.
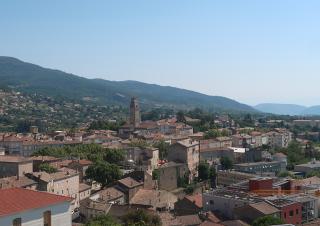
point(169, 174)
point(186, 151)
point(129, 187)
point(64, 182)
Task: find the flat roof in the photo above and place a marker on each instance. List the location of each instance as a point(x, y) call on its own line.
point(14, 159)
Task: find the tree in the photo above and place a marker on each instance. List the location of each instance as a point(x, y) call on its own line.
point(313, 173)
point(155, 174)
point(226, 163)
point(181, 117)
point(105, 125)
point(184, 180)
point(141, 218)
point(23, 126)
point(47, 168)
point(284, 174)
point(103, 220)
point(295, 154)
point(212, 176)
point(267, 221)
point(115, 156)
point(104, 173)
point(212, 133)
point(203, 171)
point(163, 148)
point(189, 189)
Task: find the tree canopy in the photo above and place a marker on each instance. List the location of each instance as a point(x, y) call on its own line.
point(47, 168)
point(103, 220)
point(105, 125)
point(104, 173)
point(163, 148)
point(141, 218)
point(115, 156)
point(214, 133)
point(267, 221)
point(203, 171)
point(226, 163)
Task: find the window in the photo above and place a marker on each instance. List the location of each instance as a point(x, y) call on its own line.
point(47, 218)
point(297, 211)
point(16, 222)
point(291, 213)
point(211, 202)
point(285, 215)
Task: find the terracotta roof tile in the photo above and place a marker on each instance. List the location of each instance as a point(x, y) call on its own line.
point(196, 199)
point(15, 200)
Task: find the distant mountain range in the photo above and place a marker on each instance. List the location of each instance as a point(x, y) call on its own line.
point(30, 78)
point(288, 109)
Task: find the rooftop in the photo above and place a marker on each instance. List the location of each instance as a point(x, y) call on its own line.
point(188, 143)
point(60, 175)
point(256, 163)
point(279, 155)
point(196, 199)
point(189, 219)
point(84, 187)
point(15, 200)
point(312, 164)
point(14, 159)
point(153, 198)
point(234, 194)
point(110, 194)
point(16, 182)
point(264, 208)
point(129, 182)
point(280, 202)
point(44, 158)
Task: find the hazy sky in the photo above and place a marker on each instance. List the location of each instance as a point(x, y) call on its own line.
point(252, 51)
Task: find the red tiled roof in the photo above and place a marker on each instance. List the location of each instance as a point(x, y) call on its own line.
point(196, 199)
point(15, 200)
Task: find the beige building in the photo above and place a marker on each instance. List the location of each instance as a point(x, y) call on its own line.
point(279, 139)
point(241, 140)
point(144, 158)
point(154, 199)
point(186, 151)
point(169, 174)
point(129, 187)
point(219, 142)
point(84, 191)
point(64, 182)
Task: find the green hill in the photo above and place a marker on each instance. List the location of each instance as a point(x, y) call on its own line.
point(31, 78)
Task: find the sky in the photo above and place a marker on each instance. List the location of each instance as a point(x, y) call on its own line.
point(248, 50)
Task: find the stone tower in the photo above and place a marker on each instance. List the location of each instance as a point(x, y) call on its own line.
point(135, 118)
